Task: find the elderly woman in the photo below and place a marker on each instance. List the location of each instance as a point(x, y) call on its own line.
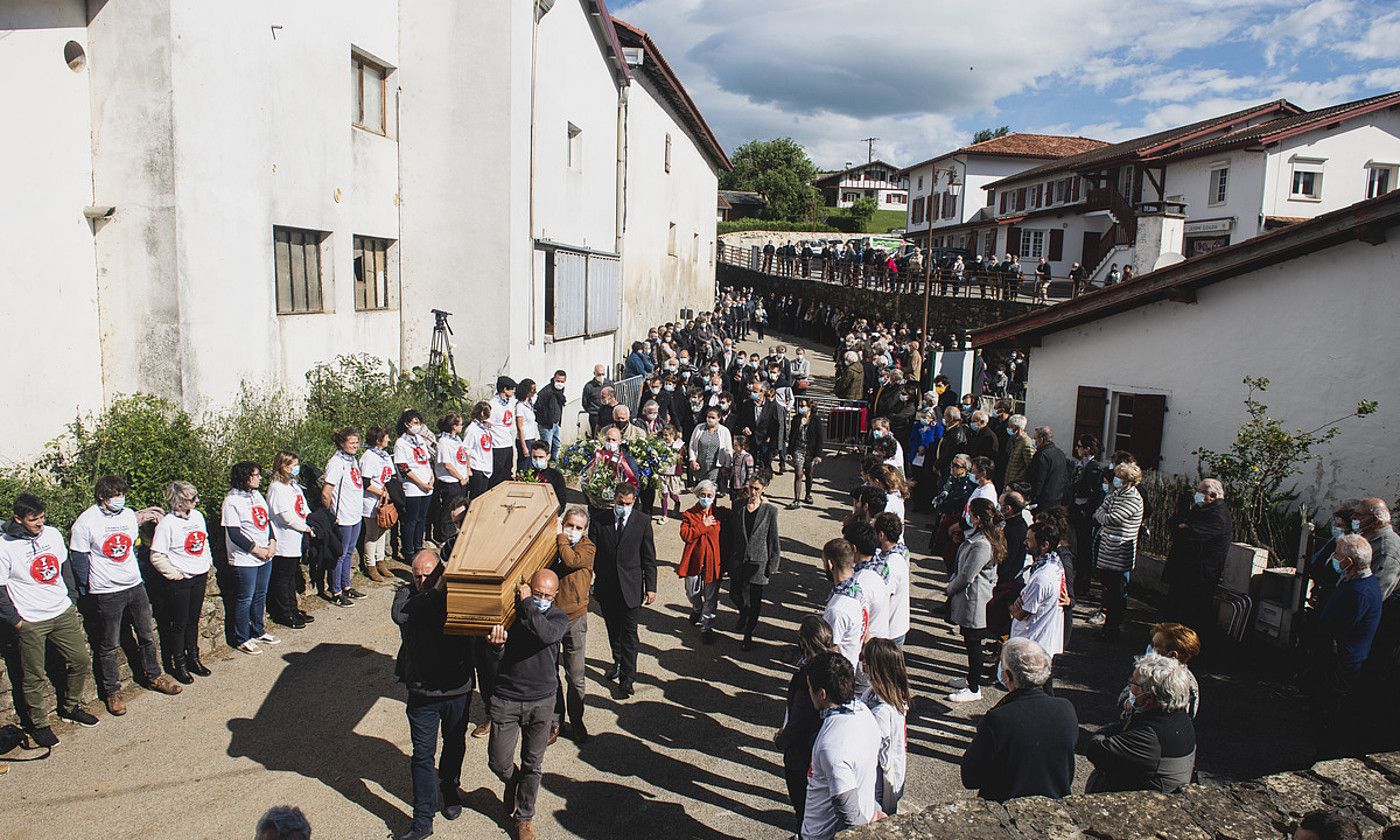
point(850, 384)
point(753, 557)
point(1155, 747)
point(180, 552)
point(951, 501)
point(702, 563)
point(711, 447)
point(1119, 519)
point(971, 588)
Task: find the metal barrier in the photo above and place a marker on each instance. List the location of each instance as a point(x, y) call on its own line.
point(629, 392)
point(845, 422)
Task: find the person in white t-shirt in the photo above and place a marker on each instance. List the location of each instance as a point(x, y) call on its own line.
point(286, 503)
point(348, 499)
point(503, 431)
point(250, 547)
point(894, 555)
point(982, 468)
point(527, 431)
point(896, 489)
point(880, 428)
point(376, 470)
point(845, 755)
point(414, 458)
point(845, 611)
point(452, 474)
point(1036, 614)
point(478, 443)
point(888, 698)
point(102, 549)
point(180, 552)
point(872, 574)
point(37, 593)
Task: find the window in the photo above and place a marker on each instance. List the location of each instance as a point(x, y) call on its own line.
point(1021, 199)
point(1037, 192)
point(372, 273)
point(671, 239)
point(668, 151)
point(992, 198)
point(297, 263)
point(1122, 422)
point(850, 196)
point(1061, 191)
point(1032, 244)
point(921, 182)
point(368, 94)
point(950, 205)
point(1307, 179)
point(1380, 179)
point(575, 150)
point(1134, 424)
point(580, 293)
point(1219, 184)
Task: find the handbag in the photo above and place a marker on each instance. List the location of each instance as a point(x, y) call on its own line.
point(387, 515)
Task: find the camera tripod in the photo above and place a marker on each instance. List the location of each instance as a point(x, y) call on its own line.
point(442, 346)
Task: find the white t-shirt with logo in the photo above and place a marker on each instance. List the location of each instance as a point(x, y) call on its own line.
point(185, 540)
point(847, 618)
point(348, 498)
point(502, 422)
point(32, 571)
point(525, 411)
point(898, 584)
point(245, 510)
point(109, 540)
point(478, 445)
point(845, 757)
point(450, 451)
point(412, 451)
point(877, 601)
point(376, 468)
point(287, 504)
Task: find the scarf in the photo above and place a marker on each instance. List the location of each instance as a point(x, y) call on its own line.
point(878, 564)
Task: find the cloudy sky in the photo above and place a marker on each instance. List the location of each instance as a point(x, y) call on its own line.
point(923, 75)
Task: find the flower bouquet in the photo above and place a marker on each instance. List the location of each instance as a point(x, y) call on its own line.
point(599, 472)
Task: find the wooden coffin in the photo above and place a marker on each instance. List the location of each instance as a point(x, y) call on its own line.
point(508, 535)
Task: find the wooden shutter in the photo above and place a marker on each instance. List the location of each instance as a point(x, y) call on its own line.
point(1021, 199)
point(1057, 245)
point(1089, 408)
point(1149, 410)
point(1003, 202)
point(1013, 240)
point(1074, 188)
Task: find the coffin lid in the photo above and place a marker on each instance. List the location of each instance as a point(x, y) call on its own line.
point(499, 527)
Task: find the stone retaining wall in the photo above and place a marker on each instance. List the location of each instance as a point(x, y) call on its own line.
point(1264, 809)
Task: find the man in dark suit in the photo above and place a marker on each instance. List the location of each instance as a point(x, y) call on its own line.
point(758, 420)
point(624, 579)
point(1049, 471)
point(1024, 746)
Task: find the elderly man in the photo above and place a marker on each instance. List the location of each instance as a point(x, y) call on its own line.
point(984, 442)
point(522, 705)
point(592, 395)
point(1154, 747)
point(956, 440)
point(1024, 745)
point(1049, 474)
point(1200, 541)
point(1371, 519)
point(1018, 452)
point(437, 670)
point(622, 421)
point(1348, 624)
point(574, 567)
point(607, 400)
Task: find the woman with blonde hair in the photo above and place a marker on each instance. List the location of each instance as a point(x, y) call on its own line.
point(888, 698)
point(287, 504)
point(896, 489)
point(348, 501)
point(180, 552)
point(1119, 520)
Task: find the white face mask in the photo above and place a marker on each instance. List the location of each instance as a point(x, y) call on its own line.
point(611, 445)
point(574, 535)
point(540, 463)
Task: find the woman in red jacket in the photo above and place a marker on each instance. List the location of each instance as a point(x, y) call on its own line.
point(701, 565)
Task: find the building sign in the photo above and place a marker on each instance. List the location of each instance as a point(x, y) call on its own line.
point(1197, 245)
point(1209, 226)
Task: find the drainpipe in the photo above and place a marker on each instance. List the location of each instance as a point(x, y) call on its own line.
point(620, 219)
point(541, 8)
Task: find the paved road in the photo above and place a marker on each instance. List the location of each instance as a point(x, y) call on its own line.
point(318, 721)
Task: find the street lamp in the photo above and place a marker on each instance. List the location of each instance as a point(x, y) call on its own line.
point(954, 189)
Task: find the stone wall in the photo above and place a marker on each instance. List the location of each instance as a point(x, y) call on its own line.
point(1264, 809)
point(946, 315)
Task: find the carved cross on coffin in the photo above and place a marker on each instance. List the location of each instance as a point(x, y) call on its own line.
point(509, 533)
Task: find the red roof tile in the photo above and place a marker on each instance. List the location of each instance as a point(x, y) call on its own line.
point(1023, 145)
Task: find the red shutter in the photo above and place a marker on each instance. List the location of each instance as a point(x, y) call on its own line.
point(1013, 240)
point(1057, 245)
point(1074, 188)
point(1149, 411)
point(1089, 410)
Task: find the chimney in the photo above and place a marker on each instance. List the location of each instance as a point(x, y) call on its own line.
point(1161, 234)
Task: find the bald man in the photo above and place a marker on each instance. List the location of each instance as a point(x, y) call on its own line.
point(437, 670)
point(522, 700)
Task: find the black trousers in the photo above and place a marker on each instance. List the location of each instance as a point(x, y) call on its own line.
point(621, 621)
point(795, 766)
point(748, 597)
point(1081, 536)
point(1115, 598)
point(184, 603)
point(282, 589)
point(445, 493)
point(428, 716)
point(973, 638)
point(484, 666)
point(478, 484)
point(502, 464)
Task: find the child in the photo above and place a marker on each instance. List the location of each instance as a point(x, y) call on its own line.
point(740, 471)
point(672, 482)
point(888, 699)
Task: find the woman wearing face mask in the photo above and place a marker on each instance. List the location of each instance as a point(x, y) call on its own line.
point(180, 552)
point(287, 504)
point(711, 448)
point(527, 430)
point(971, 588)
point(414, 458)
point(702, 565)
point(923, 444)
point(450, 475)
point(806, 440)
point(544, 473)
point(755, 557)
point(250, 548)
point(343, 474)
point(1115, 549)
point(477, 442)
point(1175, 641)
point(574, 566)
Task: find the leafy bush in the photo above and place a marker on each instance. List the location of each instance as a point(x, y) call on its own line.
point(739, 225)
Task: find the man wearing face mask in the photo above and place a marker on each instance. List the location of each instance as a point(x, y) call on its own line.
point(574, 567)
point(758, 420)
point(544, 473)
point(1348, 622)
point(593, 395)
point(1200, 541)
point(522, 702)
point(549, 411)
point(625, 570)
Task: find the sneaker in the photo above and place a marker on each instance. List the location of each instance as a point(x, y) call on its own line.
point(44, 737)
point(958, 682)
point(794, 505)
point(354, 593)
point(269, 639)
point(80, 716)
point(1097, 619)
point(343, 600)
point(965, 695)
point(251, 647)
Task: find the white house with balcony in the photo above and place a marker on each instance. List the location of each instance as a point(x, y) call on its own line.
point(947, 197)
point(269, 188)
point(1212, 183)
point(877, 180)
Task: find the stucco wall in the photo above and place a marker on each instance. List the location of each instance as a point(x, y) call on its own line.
point(1347, 150)
point(1244, 189)
point(1286, 322)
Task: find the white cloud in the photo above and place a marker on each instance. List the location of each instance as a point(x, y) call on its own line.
point(1303, 27)
point(1381, 40)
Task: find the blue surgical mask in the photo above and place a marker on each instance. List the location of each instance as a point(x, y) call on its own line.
point(1107, 487)
point(540, 463)
point(543, 603)
point(1199, 498)
point(1356, 526)
point(877, 434)
point(1336, 567)
point(1337, 532)
point(974, 426)
point(1132, 699)
point(705, 501)
point(116, 503)
point(295, 470)
point(967, 518)
point(1000, 680)
point(1117, 482)
point(1011, 432)
point(754, 396)
point(622, 510)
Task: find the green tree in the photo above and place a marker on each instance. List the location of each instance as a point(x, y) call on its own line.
point(862, 211)
point(990, 134)
point(781, 172)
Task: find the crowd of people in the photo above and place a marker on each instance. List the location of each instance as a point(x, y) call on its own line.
point(1021, 529)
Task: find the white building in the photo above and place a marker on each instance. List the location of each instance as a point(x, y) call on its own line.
point(1235, 175)
point(1156, 366)
point(510, 162)
point(877, 180)
point(947, 192)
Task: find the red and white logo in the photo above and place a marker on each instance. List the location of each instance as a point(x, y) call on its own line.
point(386, 474)
point(194, 542)
point(44, 569)
point(486, 442)
point(117, 548)
point(259, 516)
point(300, 506)
point(355, 477)
point(462, 452)
point(509, 417)
point(420, 455)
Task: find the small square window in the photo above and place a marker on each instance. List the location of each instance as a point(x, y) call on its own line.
point(368, 94)
point(1307, 183)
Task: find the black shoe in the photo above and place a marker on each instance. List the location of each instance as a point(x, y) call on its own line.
point(296, 623)
point(179, 671)
point(611, 673)
point(44, 737)
point(451, 803)
point(343, 600)
point(794, 505)
point(81, 717)
point(306, 618)
point(626, 689)
point(578, 733)
point(807, 500)
point(194, 666)
point(415, 834)
point(746, 644)
point(354, 593)
point(708, 637)
point(695, 619)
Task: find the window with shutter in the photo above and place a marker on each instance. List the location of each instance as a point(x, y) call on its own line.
point(1013, 240)
point(1057, 245)
point(1003, 203)
point(1021, 199)
point(1089, 408)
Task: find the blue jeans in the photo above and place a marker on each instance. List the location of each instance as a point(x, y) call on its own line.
point(340, 577)
point(426, 717)
point(250, 602)
point(413, 522)
point(550, 435)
